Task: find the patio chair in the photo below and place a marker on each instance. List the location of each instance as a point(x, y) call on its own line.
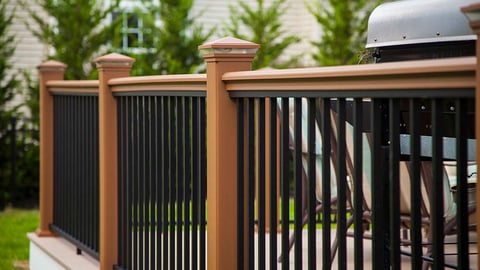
point(305, 162)
point(449, 179)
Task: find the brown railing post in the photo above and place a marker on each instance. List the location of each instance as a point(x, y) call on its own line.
point(48, 71)
point(473, 14)
point(223, 55)
point(109, 66)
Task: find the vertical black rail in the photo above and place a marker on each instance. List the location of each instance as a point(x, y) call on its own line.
point(297, 142)
point(80, 174)
point(415, 184)
point(130, 205)
point(166, 177)
point(261, 183)
point(75, 171)
point(251, 181)
point(240, 184)
point(172, 179)
point(148, 185)
point(187, 180)
point(158, 178)
point(437, 207)
point(71, 175)
point(326, 126)
point(141, 183)
point(358, 182)
point(273, 184)
point(312, 262)
point(85, 168)
point(180, 108)
point(95, 174)
point(71, 182)
point(203, 183)
point(394, 183)
point(378, 212)
point(195, 180)
point(341, 184)
point(462, 188)
point(135, 179)
point(284, 182)
point(154, 181)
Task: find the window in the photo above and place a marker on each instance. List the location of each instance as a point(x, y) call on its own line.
point(134, 35)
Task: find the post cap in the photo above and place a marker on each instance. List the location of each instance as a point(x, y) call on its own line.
point(472, 12)
point(115, 59)
point(229, 45)
point(52, 65)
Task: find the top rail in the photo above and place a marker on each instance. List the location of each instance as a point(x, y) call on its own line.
point(194, 84)
point(346, 81)
point(73, 87)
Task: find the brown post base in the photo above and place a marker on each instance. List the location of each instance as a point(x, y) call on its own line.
point(44, 233)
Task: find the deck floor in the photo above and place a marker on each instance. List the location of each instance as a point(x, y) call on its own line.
point(450, 249)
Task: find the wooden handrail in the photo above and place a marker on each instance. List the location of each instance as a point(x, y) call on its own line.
point(188, 82)
point(423, 74)
point(73, 86)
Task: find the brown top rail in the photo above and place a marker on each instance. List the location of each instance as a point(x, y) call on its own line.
point(73, 87)
point(449, 73)
point(187, 82)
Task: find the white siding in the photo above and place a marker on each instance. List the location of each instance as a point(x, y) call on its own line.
point(300, 22)
point(29, 51)
point(297, 21)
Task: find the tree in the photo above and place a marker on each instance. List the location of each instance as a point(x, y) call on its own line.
point(262, 25)
point(8, 88)
point(179, 37)
point(344, 25)
point(171, 39)
point(78, 31)
point(8, 80)
point(27, 153)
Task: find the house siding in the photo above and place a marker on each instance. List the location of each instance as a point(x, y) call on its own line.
point(29, 50)
point(297, 21)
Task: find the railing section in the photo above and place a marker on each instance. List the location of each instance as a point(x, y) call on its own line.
point(162, 179)
point(377, 158)
point(385, 153)
point(76, 182)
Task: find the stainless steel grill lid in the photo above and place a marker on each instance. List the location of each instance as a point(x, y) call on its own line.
point(418, 21)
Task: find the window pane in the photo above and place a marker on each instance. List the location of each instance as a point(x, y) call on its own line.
point(132, 21)
point(133, 40)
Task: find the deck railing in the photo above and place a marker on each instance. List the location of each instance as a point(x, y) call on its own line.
point(75, 158)
point(364, 141)
point(246, 138)
point(162, 176)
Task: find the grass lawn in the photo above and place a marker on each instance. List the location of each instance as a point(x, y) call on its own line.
point(14, 225)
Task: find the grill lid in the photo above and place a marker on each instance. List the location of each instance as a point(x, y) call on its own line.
point(418, 21)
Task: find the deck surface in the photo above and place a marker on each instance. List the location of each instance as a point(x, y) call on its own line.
point(450, 249)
